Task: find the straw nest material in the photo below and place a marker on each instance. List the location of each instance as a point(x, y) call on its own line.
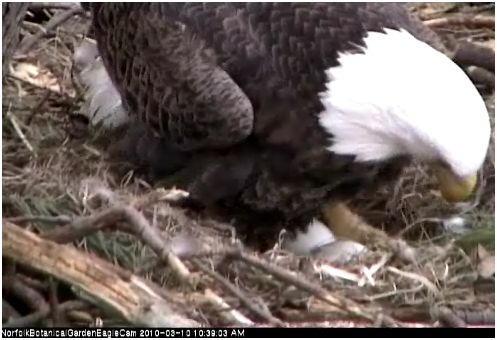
point(82, 246)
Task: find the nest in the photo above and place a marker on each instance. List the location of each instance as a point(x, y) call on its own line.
point(83, 246)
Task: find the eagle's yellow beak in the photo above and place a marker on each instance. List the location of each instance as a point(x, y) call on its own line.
point(453, 187)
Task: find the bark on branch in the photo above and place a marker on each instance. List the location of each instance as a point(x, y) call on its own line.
point(111, 287)
point(473, 21)
point(12, 15)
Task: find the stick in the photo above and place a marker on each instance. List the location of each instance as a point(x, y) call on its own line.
point(447, 318)
point(474, 21)
point(53, 23)
point(12, 15)
point(54, 302)
point(100, 282)
point(301, 283)
point(484, 317)
point(416, 277)
point(89, 225)
point(37, 107)
point(265, 315)
point(138, 225)
point(35, 317)
point(135, 224)
point(30, 296)
point(52, 5)
point(46, 219)
point(227, 312)
point(19, 132)
point(84, 226)
point(467, 53)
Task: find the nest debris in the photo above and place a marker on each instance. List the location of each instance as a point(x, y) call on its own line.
point(62, 201)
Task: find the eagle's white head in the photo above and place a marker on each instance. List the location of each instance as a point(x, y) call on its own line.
point(402, 97)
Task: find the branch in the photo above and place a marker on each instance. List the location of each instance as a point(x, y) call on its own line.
point(52, 24)
point(447, 318)
point(260, 312)
point(35, 317)
point(473, 21)
point(483, 317)
point(52, 5)
point(33, 299)
point(109, 286)
point(12, 15)
point(19, 132)
point(470, 54)
point(302, 283)
point(225, 310)
point(416, 277)
point(134, 223)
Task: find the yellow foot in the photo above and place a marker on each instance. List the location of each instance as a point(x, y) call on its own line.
point(345, 224)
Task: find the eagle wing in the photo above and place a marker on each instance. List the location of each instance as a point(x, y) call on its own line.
point(197, 71)
point(295, 42)
point(167, 76)
point(278, 54)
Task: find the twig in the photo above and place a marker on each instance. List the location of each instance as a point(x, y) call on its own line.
point(135, 223)
point(19, 132)
point(33, 283)
point(31, 297)
point(301, 283)
point(485, 317)
point(331, 271)
point(368, 273)
point(202, 254)
point(84, 226)
point(37, 107)
point(231, 315)
point(54, 303)
point(12, 15)
point(106, 285)
point(395, 292)
point(474, 21)
point(46, 219)
point(81, 317)
point(260, 312)
point(53, 23)
point(467, 53)
point(139, 226)
point(411, 313)
point(447, 318)
point(413, 276)
point(52, 5)
point(35, 317)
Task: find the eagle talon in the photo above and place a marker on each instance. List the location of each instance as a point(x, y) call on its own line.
point(345, 224)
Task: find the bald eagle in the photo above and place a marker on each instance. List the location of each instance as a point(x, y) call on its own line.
point(291, 104)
